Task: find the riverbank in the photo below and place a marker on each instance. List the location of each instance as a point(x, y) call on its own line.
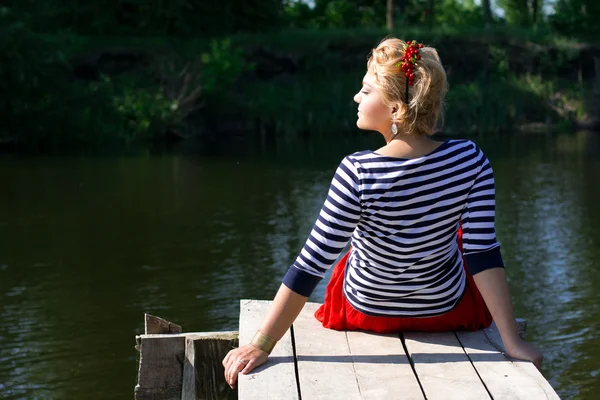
point(109, 91)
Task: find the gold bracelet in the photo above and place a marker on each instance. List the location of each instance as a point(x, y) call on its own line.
point(263, 342)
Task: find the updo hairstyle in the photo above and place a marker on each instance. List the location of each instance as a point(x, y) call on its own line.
point(424, 113)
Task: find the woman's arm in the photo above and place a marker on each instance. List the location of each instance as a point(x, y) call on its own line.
point(494, 290)
point(332, 230)
point(484, 260)
point(284, 310)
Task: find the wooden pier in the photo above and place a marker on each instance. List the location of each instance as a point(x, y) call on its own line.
point(311, 362)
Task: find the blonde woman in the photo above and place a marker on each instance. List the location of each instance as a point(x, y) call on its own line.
point(419, 215)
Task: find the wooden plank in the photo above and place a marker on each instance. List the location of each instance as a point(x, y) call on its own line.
point(203, 369)
point(275, 380)
point(382, 368)
point(188, 387)
point(503, 378)
point(161, 367)
point(325, 367)
point(493, 337)
point(442, 367)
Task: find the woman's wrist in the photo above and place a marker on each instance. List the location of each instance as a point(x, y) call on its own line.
point(263, 342)
point(510, 340)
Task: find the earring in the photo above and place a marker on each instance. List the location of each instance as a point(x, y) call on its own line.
point(394, 129)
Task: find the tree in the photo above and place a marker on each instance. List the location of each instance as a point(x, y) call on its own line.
point(487, 13)
point(577, 17)
point(522, 12)
point(390, 15)
point(516, 11)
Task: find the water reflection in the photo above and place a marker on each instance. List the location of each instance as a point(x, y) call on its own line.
point(88, 245)
point(544, 224)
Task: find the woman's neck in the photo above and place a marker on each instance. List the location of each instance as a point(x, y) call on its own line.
point(409, 146)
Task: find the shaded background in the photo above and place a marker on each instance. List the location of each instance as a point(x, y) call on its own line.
point(108, 75)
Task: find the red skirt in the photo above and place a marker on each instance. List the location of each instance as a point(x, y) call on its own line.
point(470, 313)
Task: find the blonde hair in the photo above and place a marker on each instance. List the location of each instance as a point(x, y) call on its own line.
point(424, 112)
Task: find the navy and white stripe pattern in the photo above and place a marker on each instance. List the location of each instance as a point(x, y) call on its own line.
point(402, 216)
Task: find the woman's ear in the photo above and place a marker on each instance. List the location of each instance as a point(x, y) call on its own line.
point(395, 111)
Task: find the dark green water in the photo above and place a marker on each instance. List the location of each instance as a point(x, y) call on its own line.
point(87, 245)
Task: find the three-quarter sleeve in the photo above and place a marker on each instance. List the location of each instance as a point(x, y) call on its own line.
point(331, 232)
point(481, 249)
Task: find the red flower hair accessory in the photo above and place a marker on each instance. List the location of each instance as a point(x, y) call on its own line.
point(409, 61)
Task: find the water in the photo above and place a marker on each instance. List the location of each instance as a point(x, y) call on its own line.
point(88, 244)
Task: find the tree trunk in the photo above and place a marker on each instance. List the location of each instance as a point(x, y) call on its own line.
point(390, 15)
point(431, 13)
point(595, 106)
point(487, 13)
point(535, 8)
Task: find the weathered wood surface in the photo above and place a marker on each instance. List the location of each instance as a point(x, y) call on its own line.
point(312, 362)
point(161, 367)
point(493, 338)
point(381, 358)
point(324, 361)
point(184, 366)
point(361, 365)
point(275, 380)
point(203, 369)
point(503, 379)
point(442, 366)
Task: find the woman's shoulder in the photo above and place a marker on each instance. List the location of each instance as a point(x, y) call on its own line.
point(358, 157)
point(466, 146)
point(448, 149)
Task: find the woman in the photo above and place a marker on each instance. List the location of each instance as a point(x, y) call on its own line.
point(408, 209)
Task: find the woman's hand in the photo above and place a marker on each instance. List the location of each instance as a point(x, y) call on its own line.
point(243, 359)
point(523, 350)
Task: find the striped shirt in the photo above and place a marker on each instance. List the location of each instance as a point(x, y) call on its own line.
point(401, 217)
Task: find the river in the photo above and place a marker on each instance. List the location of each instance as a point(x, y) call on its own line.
point(90, 243)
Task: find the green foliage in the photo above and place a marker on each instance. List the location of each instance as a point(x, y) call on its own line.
point(517, 12)
point(577, 17)
point(151, 17)
point(298, 15)
point(304, 79)
point(145, 111)
point(222, 65)
point(335, 14)
point(44, 106)
point(29, 65)
point(454, 13)
point(500, 59)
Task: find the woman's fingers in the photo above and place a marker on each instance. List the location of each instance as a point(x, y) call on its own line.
point(243, 359)
point(236, 367)
point(226, 359)
point(249, 367)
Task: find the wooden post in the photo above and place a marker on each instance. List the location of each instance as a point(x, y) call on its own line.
point(203, 372)
point(161, 367)
point(182, 366)
point(595, 102)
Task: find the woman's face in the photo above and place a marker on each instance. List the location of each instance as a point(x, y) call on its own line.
point(372, 113)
